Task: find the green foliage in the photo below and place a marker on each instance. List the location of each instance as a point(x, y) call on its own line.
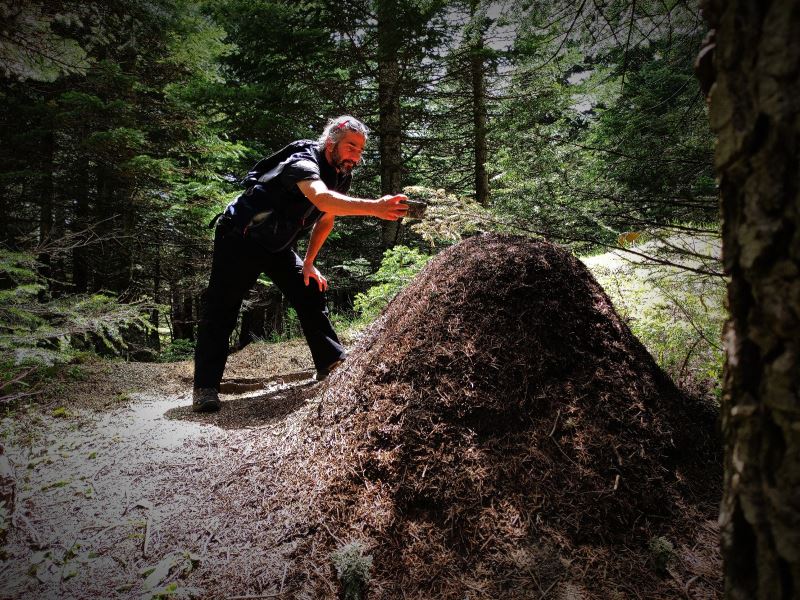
point(617, 138)
point(352, 567)
point(447, 219)
point(32, 47)
point(38, 332)
point(399, 266)
point(177, 350)
point(291, 327)
point(678, 315)
point(662, 552)
point(56, 484)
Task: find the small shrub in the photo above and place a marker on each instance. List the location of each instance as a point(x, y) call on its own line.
point(661, 552)
point(177, 350)
point(76, 372)
point(352, 568)
point(399, 266)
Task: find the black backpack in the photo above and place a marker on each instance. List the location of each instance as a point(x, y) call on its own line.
point(255, 215)
point(268, 168)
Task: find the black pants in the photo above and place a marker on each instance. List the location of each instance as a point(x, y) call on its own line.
point(235, 266)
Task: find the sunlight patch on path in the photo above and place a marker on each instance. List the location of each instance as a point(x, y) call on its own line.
point(103, 496)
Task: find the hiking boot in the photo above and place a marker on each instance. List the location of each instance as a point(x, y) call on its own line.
point(323, 373)
point(205, 400)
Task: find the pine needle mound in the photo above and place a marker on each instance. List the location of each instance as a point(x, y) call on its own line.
point(499, 430)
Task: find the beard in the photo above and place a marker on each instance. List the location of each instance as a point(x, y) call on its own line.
point(345, 166)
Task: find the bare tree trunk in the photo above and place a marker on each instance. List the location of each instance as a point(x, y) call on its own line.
point(181, 306)
point(154, 337)
point(123, 197)
point(80, 254)
point(46, 191)
point(479, 115)
point(5, 204)
point(259, 315)
point(390, 124)
point(755, 112)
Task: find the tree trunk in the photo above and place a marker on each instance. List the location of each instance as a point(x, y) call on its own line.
point(46, 191)
point(265, 316)
point(123, 198)
point(8, 490)
point(390, 125)
point(5, 204)
point(154, 337)
point(754, 111)
point(80, 253)
point(477, 70)
point(182, 321)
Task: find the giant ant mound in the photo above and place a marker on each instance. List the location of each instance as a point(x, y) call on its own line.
point(500, 431)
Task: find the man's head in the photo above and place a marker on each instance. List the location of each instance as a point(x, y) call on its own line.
point(343, 141)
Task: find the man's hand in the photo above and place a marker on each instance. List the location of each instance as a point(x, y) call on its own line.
point(331, 202)
point(390, 208)
point(311, 272)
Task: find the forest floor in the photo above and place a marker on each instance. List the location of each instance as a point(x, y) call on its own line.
point(122, 490)
point(120, 487)
point(461, 483)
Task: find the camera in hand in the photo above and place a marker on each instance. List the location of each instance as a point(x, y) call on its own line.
point(416, 208)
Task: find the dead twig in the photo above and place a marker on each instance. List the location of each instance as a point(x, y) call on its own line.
point(555, 423)
point(146, 536)
point(22, 375)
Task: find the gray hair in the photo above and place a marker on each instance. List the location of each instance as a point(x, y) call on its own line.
point(339, 126)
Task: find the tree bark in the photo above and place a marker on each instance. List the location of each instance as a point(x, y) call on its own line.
point(80, 253)
point(181, 306)
point(46, 190)
point(478, 72)
point(390, 124)
point(755, 111)
point(154, 337)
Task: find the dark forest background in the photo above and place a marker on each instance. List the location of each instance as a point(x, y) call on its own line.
point(125, 126)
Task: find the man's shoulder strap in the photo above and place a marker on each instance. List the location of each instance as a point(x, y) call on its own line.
point(267, 168)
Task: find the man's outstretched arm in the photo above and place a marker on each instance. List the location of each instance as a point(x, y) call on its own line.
point(336, 204)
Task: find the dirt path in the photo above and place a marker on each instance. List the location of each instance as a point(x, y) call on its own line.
point(128, 495)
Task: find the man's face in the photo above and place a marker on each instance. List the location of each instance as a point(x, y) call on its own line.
point(346, 153)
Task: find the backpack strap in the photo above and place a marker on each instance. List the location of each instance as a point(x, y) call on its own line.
point(213, 221)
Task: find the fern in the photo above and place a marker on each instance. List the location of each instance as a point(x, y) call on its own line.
point(38, 333)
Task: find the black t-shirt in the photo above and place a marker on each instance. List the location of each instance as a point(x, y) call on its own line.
point(290, 213)
point(311, 164)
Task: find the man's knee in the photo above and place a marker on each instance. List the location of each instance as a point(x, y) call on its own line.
point(310, 299)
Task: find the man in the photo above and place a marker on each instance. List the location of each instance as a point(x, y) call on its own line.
point(305, 191)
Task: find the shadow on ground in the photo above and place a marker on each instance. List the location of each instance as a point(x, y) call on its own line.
point(241, 412)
